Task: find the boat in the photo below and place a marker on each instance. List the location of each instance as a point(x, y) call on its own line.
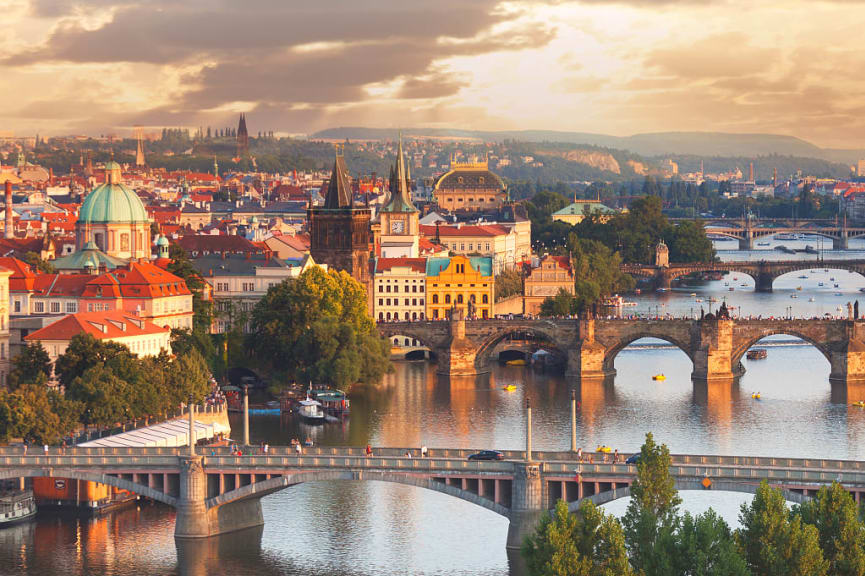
point(838, 294)
point(810, 250)
point(662, 290)
point(819, 284)
point(836, 285)
point(859, 404)
point(510, 387)
point(755, 395)
point(743, 285)
point(811, 299)
point(16, 506)
point(700, 299)
point(861, 289)
point(517, 362)
point(731, 289)
point(762, 243)
point(604, 449)
point(799, 288)
point(786, 236)
point(693, 294)
point(726, 283)
point(757, 354)
point(794, 295)
point(614, 301)
point(310, 410)
point(832, 279)
point(332, 401)
point(659, 377)
point(803, 276)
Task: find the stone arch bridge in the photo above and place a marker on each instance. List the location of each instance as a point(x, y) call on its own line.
point(715, 346)
point(220, 492)
point(764, 272)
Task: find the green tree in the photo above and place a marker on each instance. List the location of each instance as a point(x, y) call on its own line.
point(589, 543)
point(38, 263)
point(202, 306)
point(84, 352)
point(688, 243)
point(776, 543)
point(597, 270)
point(509, 283)
point(317, 327)
point(562, 304)
point(841, 532)
point(31, 365)
point(705, 547)
point(36, 413)
point(651, 520)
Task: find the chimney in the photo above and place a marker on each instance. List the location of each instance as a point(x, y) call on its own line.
point(10, 232)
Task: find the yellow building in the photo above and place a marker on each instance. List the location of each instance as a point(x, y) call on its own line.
point(462, 282)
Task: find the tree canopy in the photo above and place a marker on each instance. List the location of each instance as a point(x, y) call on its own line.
point(316, 328)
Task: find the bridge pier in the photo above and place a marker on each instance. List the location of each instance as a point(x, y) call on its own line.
point(713, 350)
point(460, 356)
point(527, 502)
point(763, 282)
point(847, 360)
point(195, 520)
point(746, 242)
point(586, 361)
point(663, 279)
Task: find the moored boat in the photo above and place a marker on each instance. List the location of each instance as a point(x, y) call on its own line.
point(311, 410)
point(16, 506)
point(757, 354)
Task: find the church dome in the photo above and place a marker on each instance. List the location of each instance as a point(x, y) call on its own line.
point(112, 201)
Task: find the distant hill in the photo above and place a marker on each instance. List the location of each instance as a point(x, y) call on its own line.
point(708, 144)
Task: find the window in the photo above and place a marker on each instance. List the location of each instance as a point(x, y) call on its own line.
point(388, 301)
point(406, 302)
point(421, 301)
point(488, 247)
point(381, 314)
point(447, 298)
point(39, 307)
point(472, 246)
point(421, 287)
point(414, 301)
point(462, 246)
point(436, 314)
point(388, 289)
point(435, 299)
point(459, 298)
point(484, 313)
point(381, 302)
point(414, 288)
point(17, 305)
point(380, 288)
point(55, 307)
point(486, 299)
point(388, 315)
point(406, 317)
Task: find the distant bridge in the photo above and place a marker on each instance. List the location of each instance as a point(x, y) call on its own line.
point(215, 494)
point(763, 272)
point(714, 346)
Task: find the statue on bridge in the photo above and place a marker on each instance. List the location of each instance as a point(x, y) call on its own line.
point(723, 312)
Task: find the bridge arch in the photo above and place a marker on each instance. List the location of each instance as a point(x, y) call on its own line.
point(741, 347)
point(687, 484)
point(277, 483)
point(613, 351)
point(75, 474)
point(542, 334)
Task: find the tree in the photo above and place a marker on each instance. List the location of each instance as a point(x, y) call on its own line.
point(509, 283)
point(31, 365)
point(202, 307)
point(688, 243)
point(705, 547)
point(562, 304)
point(37, 262)
point(84, 352)
point(588, 543)
point(650, 521)
point(317, 327)
point(36, 413)
point(840, 530)
point(776, 543)
point(597, 270)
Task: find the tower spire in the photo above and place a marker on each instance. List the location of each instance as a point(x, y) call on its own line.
point(400, 196)
point(139, 153)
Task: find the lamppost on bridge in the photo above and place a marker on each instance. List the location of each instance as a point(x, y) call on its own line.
point(528, 430)
point(573, 420)
point(191, 426)
point(246, 415)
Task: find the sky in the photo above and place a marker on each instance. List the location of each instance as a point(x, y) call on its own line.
point(296, 66)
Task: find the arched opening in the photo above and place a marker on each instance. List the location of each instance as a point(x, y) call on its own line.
point(405, 347)
point(821, 283)
point(644, 362)
point(769, 364)
point(524, 348)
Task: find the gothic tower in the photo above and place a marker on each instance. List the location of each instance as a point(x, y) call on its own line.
point(339, 230)
point(399, 218)
point(242, 137)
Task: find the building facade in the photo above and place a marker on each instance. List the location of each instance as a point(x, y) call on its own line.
point(460, 282)
point(399, 289)
point(501, 242)
point(545, 280)
point(470, 187)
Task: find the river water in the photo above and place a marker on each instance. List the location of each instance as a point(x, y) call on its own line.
point(365, 528)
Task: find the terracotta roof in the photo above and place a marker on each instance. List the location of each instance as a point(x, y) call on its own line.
point(23, 277)
point(299, 242)
point(216, 243)
point(137, 280)
point(60, 284)
point(416, 264)
point(100, 325)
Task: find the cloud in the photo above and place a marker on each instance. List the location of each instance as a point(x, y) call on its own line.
point(718, 56)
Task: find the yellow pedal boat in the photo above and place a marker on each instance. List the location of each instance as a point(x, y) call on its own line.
point(659, 377)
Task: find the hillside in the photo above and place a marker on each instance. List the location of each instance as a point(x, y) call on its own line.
point(709, 144)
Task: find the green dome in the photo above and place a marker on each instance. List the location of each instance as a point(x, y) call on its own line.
point(112, 202)
point(163, 241)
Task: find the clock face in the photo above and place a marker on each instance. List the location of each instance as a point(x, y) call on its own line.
point(397, 226)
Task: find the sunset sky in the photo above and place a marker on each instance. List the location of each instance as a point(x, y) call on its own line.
point(296, 66)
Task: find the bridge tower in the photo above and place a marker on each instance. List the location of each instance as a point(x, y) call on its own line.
point(746, 242)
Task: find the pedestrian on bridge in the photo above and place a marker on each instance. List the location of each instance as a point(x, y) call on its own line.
point(368, 450)
point(298, 449)
point(423, 451)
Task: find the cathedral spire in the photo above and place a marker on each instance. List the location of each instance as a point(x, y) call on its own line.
point(339, 189)
point(242, 136)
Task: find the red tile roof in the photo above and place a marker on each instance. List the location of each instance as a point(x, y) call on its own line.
point(474, 230)
point(137, 280)
point(416, 264)
point(101, 325)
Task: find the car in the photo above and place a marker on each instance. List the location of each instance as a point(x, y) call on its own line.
point(633, 458)
point(487, 455)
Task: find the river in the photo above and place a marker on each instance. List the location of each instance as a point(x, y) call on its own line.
point(365, 528)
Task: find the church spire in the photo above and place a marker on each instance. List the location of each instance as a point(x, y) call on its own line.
point(139, 153)
point(400, 196)
point(242, 136)
point(339, 189)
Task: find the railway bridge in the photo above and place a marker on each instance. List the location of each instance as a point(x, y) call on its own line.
point(219, 492)
point(714, 345)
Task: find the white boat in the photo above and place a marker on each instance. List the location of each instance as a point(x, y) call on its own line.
point(786, 236)
point(811, 299)
point(762, 243)
point(16, 506)
point(310, 410)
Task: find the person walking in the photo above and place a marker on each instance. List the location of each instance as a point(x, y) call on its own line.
point(298, 449)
